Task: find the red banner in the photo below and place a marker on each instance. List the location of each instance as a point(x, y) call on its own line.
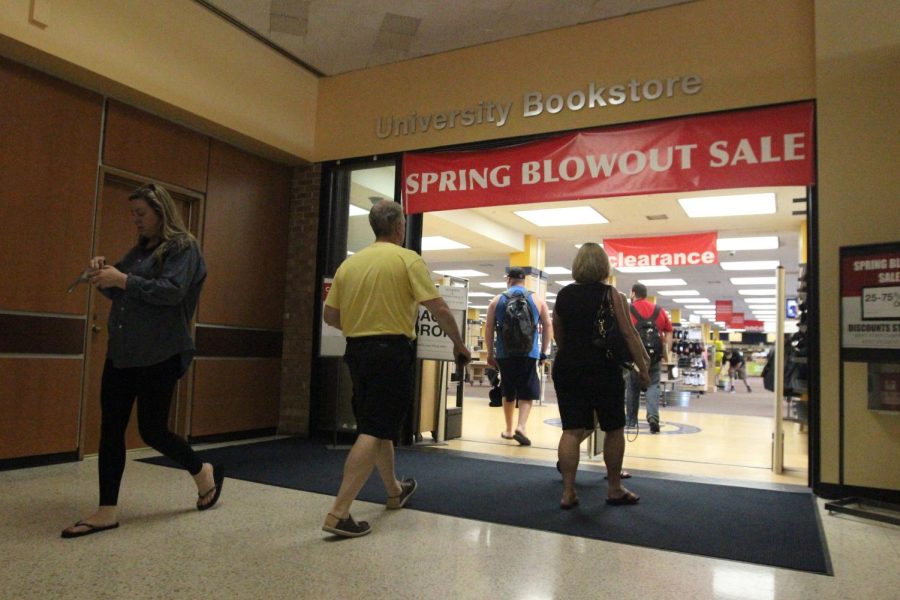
point(753, 325)
point(724, 309)
point(737, 321)
point(747, 148)
point(669, 251)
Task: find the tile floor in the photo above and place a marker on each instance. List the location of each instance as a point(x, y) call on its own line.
point(265, 542)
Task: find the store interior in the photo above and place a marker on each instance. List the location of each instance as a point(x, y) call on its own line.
point(707, 430)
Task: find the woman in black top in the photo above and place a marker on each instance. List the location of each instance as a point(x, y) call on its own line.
point(154, 290)
point(586, 382)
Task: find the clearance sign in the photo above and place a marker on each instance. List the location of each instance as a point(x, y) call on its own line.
point(670, 251)
point(756, 148)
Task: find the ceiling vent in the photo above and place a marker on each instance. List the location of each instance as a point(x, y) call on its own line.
point(657, 217)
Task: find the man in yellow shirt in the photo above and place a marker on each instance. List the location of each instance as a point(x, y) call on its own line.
point(373, 300)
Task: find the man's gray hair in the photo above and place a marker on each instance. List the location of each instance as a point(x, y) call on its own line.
point(384, 216)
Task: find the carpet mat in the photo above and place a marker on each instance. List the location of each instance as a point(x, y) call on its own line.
point(765, 527)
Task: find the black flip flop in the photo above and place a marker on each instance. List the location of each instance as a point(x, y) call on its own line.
point(218, 480)
point(623, 475)
point(91, 529)
point(521, 438)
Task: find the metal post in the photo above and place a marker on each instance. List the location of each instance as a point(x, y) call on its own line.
point(778, 433)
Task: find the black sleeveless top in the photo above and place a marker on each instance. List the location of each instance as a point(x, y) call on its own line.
point(576, 308)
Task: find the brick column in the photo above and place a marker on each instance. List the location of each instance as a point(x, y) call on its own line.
point(301, 292)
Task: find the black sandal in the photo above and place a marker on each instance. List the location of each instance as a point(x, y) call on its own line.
point(91, 529)
point(216, 489)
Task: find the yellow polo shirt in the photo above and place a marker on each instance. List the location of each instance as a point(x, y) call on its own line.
point(378, 289)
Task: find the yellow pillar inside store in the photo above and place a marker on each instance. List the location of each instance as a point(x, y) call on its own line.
point(534, 255)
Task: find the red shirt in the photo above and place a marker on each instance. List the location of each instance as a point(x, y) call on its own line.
point(645, 308)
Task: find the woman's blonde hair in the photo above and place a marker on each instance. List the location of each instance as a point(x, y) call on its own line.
point(173, 234)
point(591, 264)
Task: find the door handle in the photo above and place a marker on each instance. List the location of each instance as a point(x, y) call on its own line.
point(95, 328)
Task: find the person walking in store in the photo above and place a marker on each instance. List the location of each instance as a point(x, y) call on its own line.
point(154, 290)
point(515, 346)
point(737, 369)
point(373, 301)
point(655, 330)
point(587, 382)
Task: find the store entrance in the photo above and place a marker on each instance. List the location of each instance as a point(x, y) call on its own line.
point(707, 429)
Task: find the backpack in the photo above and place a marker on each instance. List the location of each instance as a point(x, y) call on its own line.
point(518, 327)
point(649, 333)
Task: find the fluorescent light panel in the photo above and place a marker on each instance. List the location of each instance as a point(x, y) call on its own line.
point(662, 282)
point(753, 280)
point(557, 271)
point(750, 265)
point(698, 306)
point(564, 282)
point(758, 292)
point(560, 217)
point(678, 293)
point(729, 206)
point(752, 301)
point(768, 242)
point(439, 242)
point(499, 285)
point(356, 211)
point(689, 300)
point(462, 273)
point(480, 295)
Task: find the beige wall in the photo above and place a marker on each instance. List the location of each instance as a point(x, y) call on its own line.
point(177, 59)
point(748, 54)
point(857, 78)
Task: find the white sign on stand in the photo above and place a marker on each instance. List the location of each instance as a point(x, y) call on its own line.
point(332, 341)
point(433, 342)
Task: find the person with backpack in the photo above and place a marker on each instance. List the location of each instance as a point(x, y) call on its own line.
point(655, 330)
point(515, 346)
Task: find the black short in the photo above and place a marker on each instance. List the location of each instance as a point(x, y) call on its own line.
point(583, 392)
point(519, 379)
point(382, 371)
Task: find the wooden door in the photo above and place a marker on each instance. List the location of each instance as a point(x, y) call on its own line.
point(114, 235)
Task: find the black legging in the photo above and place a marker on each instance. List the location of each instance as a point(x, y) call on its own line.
point(153, 387)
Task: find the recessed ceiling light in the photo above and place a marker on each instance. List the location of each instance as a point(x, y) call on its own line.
point(649, 269)
point(758, 292)
point(356, 211)
point(696, 306)
point(767, 242)
point(564, 282)
point(438, 242)
point(550, 294)
point(495, 284)
point(678, 293)
point(480, 295)
point(753, 280)
point(462, 273)
point(557, 271)
point(729, 206)
point(560, 217)
point(750, 265)
point(349, 252)
point(752, 301)
point(689, 300)
point(662, 282)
